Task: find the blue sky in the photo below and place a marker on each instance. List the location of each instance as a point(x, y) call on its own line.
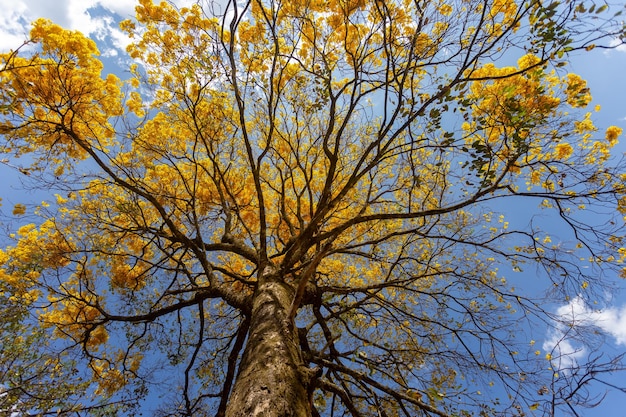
point(605, 71)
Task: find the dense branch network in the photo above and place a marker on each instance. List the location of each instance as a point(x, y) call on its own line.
point(331, 173)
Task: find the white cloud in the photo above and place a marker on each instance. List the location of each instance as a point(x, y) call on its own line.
point(12, 31)
point(613, 321)
point(72, 14)
point(617, 45)
point(564, 353)
point(82, 15)
point(124, 8)
point(576, 315)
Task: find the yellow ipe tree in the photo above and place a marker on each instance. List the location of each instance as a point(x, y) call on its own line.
point(299, 208)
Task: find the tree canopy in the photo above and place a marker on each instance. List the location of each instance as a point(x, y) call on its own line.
point(308, 207)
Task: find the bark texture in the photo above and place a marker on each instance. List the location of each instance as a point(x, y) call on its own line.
point(272, 380)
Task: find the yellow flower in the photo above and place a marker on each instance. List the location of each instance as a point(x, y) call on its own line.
point(445, 9)
point(563, 150)
point(19, 209)
point(585, 125)
point(535, 177)
point(527, 61)
point(612, 133)
point(577, 91)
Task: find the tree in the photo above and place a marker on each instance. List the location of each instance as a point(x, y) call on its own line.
point(295, 209)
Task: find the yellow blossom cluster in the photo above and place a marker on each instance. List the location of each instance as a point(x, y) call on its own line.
point(110, 380)
point(37, 248)
point(62, 86)
point(563, 150)
point(577, 92)
point(612, 133)
point(516, 106)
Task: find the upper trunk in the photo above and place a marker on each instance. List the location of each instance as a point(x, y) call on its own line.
point(272, 380)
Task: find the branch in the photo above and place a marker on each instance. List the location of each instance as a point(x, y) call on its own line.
point(360, 376)
point(232, 364)
point(345, 398)
point(305, 276)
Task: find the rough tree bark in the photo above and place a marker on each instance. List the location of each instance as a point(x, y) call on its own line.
point(273, 380)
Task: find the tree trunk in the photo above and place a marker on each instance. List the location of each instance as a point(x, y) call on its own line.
point(272, 380)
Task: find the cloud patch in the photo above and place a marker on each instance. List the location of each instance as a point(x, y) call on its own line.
point(617, 45)
point(575, 318)
point(94, 18)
